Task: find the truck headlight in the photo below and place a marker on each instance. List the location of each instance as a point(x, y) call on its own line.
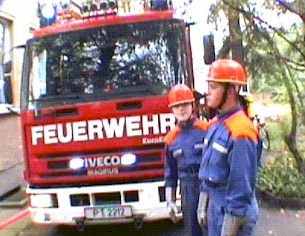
point(76, 163)
point(43, 200)
point(128, 159)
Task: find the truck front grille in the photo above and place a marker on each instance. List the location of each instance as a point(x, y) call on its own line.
point(106, 168)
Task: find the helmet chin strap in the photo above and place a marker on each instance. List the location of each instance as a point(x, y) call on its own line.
point(224, 96)
point(227, 86)
point(237, 89)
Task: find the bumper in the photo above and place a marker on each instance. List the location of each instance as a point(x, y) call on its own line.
point(146, 200)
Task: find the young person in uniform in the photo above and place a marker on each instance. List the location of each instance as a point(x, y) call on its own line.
point(230, 158)
point(183, 148)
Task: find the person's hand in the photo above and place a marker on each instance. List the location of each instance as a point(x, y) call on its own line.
point(170, 197)
point(231, 225)
point(202, 209)
point(172, 211)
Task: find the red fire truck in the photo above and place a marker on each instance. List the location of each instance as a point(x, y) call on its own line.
point(94, 113)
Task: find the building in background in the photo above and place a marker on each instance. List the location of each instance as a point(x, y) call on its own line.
point(17, 20)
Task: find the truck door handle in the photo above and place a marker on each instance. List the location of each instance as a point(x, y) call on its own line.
point(132, 105)
point(66, 112)
point(56, 113)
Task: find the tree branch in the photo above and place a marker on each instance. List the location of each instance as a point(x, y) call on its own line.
point(249, 14)
point(291, 7)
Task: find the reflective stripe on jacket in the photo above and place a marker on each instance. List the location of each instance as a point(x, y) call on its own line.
point(230, 158)
point(183, 149)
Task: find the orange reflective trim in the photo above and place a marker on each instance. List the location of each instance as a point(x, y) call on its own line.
point(171, 135)
point(241, 126)
point(202, 125)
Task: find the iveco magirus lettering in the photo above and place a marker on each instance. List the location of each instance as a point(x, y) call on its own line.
point(102, 161)
point(103, 128)
point(94, 110)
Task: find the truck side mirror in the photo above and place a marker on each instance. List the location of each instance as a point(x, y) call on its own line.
point(7, 67)
point(209, 49)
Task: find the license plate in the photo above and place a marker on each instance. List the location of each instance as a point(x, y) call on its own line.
point(108, 212)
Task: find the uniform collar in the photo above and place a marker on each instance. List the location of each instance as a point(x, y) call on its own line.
point(225, 115)
point(188, 124)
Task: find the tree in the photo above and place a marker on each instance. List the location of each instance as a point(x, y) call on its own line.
point(274, 56)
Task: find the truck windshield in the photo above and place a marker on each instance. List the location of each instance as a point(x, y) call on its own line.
point(122, 61)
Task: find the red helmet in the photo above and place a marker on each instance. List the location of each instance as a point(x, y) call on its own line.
point(227, 71)
point(180, 93)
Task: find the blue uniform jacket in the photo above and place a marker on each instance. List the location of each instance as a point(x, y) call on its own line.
point(183, 149)
point(230, 161)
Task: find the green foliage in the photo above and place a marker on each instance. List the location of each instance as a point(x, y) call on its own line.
point(279, 175)
point(276, 133)
point(281, 178)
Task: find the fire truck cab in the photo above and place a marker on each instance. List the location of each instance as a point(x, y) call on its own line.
point(94, 112)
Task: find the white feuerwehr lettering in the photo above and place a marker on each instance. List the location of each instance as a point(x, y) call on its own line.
point(153, 123)
point(114, 127)
point(64, 137)
point(78, 131)
point(50, 134)
point(166, 120)
point(37, 133)
point(96, 129)
point(133, 126)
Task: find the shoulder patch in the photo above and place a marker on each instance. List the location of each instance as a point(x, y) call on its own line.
point(171, 135)
point(202, 125)
point(241, 126)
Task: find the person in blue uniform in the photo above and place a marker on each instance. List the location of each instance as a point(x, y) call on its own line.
point(227, 202)
point(183, 149)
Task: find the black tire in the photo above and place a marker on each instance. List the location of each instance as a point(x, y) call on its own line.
point(265, 138)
